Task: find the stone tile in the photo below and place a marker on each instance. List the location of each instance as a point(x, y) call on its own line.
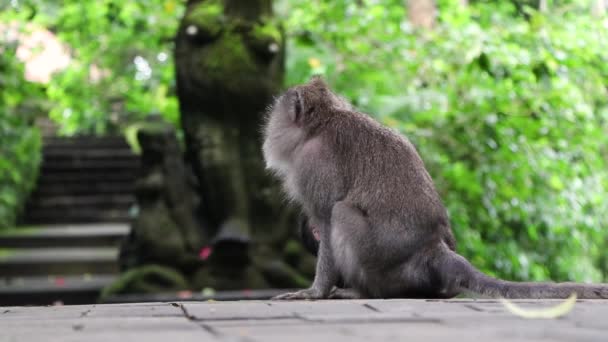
point(404, 331)
point(257, 310)
point(104, 330)
point(83, 311)
point(36, 313)
point(379, 331)
point(318, 321)
point(136, 310)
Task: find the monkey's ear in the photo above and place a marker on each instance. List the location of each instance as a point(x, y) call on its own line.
point(297, 106)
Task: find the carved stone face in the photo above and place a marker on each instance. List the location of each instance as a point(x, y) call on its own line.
point(221, 52)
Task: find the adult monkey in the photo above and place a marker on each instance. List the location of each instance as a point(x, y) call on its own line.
point(380, 222)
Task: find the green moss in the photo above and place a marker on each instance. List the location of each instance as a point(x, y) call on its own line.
point(146, 279)
point(20, 231)
point(228, 58)
point(268, 30)
point(206, 10)
point(281, 275)
point(131, 131)
point(231, 49)
point(292, 247)
point(224, 278)
point(208, 17)
point(5, 253)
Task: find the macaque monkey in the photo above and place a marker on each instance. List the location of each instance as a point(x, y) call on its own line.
point(373, 207)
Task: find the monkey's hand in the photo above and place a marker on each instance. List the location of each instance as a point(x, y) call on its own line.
point(339, 293)
point(311, 293)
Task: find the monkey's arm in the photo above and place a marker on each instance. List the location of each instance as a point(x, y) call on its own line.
point(326, 275)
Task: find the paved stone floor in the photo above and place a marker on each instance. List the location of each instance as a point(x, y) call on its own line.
point(310, 321)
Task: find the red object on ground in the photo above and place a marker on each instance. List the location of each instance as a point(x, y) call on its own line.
point(205, 252)
point(184, 294)
point(59, 282)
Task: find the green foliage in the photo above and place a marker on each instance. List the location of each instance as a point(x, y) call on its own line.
point(146, 279)
point(509, 112)
point(131, 131)
point(121, 66)
point(19, 141)
point(121, 69)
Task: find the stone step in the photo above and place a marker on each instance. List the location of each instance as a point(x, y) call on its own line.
point(81, 235)
point(84, 188)
point(47, 290)
point(76, 209)
point(16, 262)
point(85, 142)
point(76, 215)
point(90, 153)
point(99, 201)
point(90, 176)
point(84, 179)
point(84, 165)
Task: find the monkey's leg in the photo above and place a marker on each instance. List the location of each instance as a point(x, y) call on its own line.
point(347, 223)
point(326, 275)
point(353, 249)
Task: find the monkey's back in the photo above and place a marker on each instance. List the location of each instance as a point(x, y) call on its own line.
point(386, 179)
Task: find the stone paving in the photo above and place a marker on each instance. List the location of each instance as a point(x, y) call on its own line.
point(310, 321)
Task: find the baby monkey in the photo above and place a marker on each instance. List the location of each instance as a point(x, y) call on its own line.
point(373, 207)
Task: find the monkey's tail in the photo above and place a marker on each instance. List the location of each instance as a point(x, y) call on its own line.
point(460, 276)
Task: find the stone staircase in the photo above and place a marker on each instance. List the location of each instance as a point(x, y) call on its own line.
point(67, 249)
point(58, 263)
point(85, 179)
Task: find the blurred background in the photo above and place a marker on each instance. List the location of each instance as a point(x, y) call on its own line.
point(130, 165)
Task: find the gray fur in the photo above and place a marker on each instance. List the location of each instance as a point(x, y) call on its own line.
point(383, 228)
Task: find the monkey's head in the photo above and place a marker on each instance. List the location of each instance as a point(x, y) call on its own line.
point(310, 104)
point(294, 117)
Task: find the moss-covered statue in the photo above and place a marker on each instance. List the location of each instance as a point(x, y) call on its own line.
point(229, 65)
point(162, 248)
point(168, 250)
point(165, 231)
